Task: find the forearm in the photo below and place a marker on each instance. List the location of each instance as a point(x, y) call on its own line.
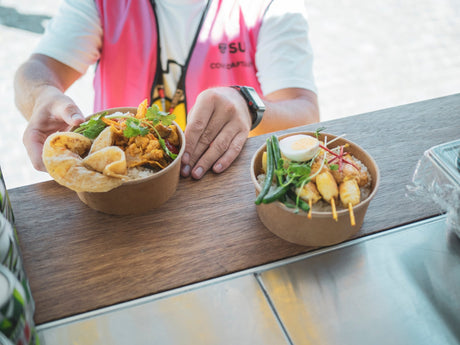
point(40, 75)
point(297, 108)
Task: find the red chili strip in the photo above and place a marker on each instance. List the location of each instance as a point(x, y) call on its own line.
point(338, 156)
point(341, 159)
point(332, 160)
point(171, 147)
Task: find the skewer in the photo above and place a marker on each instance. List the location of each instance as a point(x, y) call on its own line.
point(309, 211)
point(334, 211)
point(327, 186)
point(352, 215)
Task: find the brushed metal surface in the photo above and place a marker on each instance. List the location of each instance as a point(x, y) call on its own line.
point(399, 288)
point(233, 311)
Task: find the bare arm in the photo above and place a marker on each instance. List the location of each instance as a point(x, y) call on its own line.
point(288, 108)
point(39, 86)
point(35, 76)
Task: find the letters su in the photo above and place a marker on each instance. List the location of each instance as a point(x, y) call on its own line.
point(233, 47)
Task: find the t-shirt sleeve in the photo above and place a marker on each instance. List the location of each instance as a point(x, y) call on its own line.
point(74, 35)
point(284, 56)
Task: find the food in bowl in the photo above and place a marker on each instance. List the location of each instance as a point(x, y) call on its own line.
point(318, 200)
point(302, 171)
point(110, 149)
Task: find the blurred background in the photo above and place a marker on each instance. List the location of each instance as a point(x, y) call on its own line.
point(369, 55)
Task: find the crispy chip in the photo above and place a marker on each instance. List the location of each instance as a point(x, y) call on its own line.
point(142, 109)
point(62, 156)
point(110, 161)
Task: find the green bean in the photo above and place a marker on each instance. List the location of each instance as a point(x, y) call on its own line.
point(299, 202)
point(289, 204)
point(275, 194)
point(277, 157)
point(268, 174)
point(280, 191)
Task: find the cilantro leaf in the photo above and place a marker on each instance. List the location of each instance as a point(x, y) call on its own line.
point(156, 116)
point(92, 128)
point(134, 128)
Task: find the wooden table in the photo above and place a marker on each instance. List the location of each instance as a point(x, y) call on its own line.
point(79, 260)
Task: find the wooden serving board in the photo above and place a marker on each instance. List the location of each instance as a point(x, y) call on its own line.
point(79, 260)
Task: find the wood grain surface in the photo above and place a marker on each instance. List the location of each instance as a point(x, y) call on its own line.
point(79, 260)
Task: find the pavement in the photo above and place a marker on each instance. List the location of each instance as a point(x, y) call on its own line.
point(369, 55)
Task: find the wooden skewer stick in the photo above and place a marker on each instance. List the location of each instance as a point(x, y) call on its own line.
point(309, 211)
point(352, 215)
point(334, 211)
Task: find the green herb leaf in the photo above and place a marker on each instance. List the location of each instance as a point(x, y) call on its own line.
point(134, 128)
point(92, 128)
point(156, 116)
point(334, 167)
point(319, 130)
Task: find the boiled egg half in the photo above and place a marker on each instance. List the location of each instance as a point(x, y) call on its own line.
point(299, 147)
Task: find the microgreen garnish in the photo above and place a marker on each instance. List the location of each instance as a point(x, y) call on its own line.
point(334, 167)
point(318, 131)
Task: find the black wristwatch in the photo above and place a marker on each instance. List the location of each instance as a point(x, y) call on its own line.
point(255, 104)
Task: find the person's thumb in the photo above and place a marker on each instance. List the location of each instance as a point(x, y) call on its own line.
point(76, 119)
point(69, 111)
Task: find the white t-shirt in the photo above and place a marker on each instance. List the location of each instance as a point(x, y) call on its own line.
point(284, 56)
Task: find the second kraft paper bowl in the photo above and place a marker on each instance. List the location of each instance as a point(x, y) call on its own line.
point(321, 229)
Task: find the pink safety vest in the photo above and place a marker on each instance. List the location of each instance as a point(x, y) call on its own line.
point(125, 74)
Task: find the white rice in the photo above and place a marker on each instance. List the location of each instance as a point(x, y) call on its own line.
point(139, 172)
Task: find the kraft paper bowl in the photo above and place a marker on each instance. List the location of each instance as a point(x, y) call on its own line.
point(140, 195)
point(321, 229)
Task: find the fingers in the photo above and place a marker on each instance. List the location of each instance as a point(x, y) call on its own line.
point(213, 137)
point(217, 129)
point(53, 112)
point(223, 154)
point(220, 154)
point(196, 125)
point(235, 148)
point(33, 141)
point(197, 122)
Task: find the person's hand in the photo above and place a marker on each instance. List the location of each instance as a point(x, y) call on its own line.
point(53, 111)
point(217, 128)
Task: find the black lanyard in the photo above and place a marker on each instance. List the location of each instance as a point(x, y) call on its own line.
point(159, 77)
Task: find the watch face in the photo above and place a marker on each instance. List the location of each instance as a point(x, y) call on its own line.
point(254, 101)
